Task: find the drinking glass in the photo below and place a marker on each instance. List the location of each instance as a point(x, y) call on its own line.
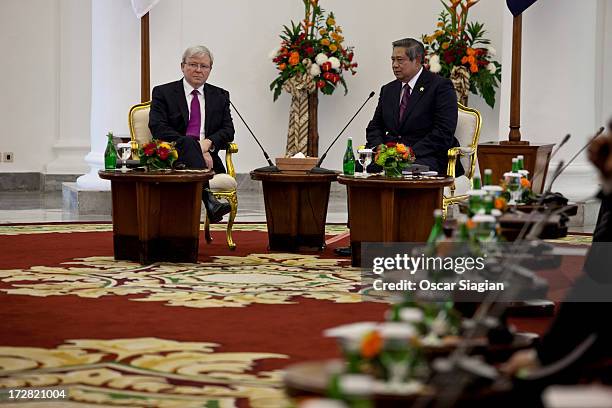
point(513, 181)
point(125, 151)
point(364, 156)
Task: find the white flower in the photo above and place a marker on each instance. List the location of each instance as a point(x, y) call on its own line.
point(435, 68)
point(491, 67)
point(491, 51)
point(434, 59)
point(321, 58)
point(335, 62)
point(274, 53)
point(315, 70)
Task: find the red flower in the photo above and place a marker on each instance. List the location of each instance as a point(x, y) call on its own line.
point(149, 149)
point(163, 153)
point(328, 75)
point(390, 144)
point(309, 51)
point(320, 83)
point(350, 57)
point(326, 66)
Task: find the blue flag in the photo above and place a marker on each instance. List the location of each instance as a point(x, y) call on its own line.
point(518, 6)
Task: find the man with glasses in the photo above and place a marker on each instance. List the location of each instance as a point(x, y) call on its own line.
point(195, 115)
point(418, 109)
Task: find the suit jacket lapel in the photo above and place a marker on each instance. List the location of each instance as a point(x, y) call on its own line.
point(182, 101)
point(416, 93)
point(396, 90)
point(207, 102)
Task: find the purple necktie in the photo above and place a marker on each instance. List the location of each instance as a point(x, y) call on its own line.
point(404, 102)
point(195, 119)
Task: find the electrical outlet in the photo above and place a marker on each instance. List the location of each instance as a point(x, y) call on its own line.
point(7, 157)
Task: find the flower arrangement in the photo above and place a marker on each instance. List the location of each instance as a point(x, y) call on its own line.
point(459, 51)
point(314, 47)
point(157, 154)
point(394, 157)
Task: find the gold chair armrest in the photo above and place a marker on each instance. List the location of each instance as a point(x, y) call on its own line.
point(229, 163)
point(455, 152)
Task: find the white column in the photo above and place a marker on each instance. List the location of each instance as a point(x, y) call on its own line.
point(115, 80)
point(74, 88)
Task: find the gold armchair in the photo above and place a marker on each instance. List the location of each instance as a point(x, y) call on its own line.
point(467, 133)
point(223, 186)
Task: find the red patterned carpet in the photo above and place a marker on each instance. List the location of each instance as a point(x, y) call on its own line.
point(212, 334)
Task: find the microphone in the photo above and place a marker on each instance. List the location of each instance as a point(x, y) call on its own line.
point(271, 168)
point(564, 141)
point(318, 169)
point(562, 169)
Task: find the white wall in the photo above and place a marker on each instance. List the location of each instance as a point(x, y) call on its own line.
point(29, 84)
point(566, 86)
point(241, 34)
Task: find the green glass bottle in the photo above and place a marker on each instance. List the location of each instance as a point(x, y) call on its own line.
point(110, 154)
point(515, 167)
point(521, 162)
point(348, 162)
point(476, 182)
point(437, 231)
point(488, 204)
point(464, 232)
point(488, 177)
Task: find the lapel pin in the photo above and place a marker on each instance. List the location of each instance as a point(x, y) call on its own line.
point(422, 88)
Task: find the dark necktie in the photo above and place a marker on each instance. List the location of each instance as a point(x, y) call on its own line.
point(404, 102)
point(195, 118)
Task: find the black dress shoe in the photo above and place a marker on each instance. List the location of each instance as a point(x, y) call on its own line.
point(343, 251)
point(215, 209)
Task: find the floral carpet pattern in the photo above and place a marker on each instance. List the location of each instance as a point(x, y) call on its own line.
point(227, 281)
point(144, 372)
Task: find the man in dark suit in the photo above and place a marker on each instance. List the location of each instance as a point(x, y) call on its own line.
point(418, 109)
point(196, 116)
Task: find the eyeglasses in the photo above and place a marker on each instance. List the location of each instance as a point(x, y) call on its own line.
point(194, 66)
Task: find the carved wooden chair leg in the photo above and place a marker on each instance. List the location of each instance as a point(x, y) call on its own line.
point(233, 202)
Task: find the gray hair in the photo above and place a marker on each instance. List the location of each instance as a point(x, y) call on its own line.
point(414, 48)
point(195, 51)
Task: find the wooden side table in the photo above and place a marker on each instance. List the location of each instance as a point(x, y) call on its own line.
point(296, 208)
point(156, 215)
point(383, 209)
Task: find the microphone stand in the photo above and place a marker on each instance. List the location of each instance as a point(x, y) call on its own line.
point(320, 170)
point(270, 168)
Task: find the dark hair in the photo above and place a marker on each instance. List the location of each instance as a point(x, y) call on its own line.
point(414, 48)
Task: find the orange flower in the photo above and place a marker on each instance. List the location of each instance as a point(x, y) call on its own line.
point(440, 24)
point(500, 203)
point(470, 51)
point(331, 21)
point(294, 59)
point(401, 148)
point(445, 45)
point(282, 66)
point(525, 183)
point(333, 47)
point(371, 344)
point(470, 224)
point(473, 68)
point(322, 31)
point(471, 59)
point(438, 33)
point(325, 41)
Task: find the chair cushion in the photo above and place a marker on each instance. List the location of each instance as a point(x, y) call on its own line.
point(223, 182)
point(142, 133)
point(462, 185)
point(466, 128)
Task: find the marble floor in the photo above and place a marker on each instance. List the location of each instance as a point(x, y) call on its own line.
point(35, 206)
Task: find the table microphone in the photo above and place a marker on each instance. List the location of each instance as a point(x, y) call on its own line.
point(320, 170)
point(271, 168)
point(559, 146)
point(562, 169)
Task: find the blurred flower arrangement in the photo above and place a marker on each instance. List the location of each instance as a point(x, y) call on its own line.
point(459, 51)
point(157, 154)
point(314, 47)
point(394, 157)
